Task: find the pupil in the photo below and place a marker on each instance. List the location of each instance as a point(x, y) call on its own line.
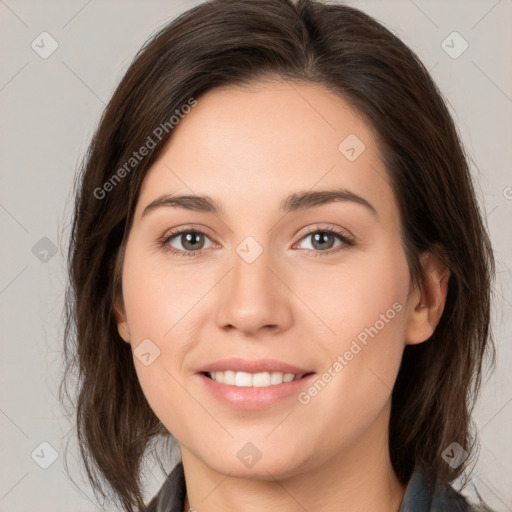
point(189, 237)
point(321, 238)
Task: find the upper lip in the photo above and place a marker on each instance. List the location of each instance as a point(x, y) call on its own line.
point(238, 364)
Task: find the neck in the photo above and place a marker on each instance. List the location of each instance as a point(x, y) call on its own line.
point(356, 479)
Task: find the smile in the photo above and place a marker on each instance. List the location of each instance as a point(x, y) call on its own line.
point(257, 380)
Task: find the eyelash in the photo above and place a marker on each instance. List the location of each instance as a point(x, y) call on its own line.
point(163, 243)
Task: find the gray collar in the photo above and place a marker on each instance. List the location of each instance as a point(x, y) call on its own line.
point(420, 496)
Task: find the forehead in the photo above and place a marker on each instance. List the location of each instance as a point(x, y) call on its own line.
point(254, 145)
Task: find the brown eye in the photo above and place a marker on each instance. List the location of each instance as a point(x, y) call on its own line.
point(190, 242)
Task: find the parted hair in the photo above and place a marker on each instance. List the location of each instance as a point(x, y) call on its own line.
point(238, 42)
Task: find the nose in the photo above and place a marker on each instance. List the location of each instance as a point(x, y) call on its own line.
point(254, 297)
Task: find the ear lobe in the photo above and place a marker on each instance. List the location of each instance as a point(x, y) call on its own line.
point(122, 323)
point(427, 304)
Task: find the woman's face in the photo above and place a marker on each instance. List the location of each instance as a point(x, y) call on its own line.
point(265, 283)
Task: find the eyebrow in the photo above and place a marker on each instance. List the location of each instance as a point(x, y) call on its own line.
point(295, 202)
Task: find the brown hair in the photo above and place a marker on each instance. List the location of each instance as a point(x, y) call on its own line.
point(236, 42)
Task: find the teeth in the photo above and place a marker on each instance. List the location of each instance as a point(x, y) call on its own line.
point(257, 380)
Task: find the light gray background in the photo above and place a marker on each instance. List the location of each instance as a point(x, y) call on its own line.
point(49, 109)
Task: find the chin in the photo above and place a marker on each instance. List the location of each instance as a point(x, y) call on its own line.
point(248, 461)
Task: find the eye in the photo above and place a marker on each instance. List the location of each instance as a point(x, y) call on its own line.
point(323, 240)
point(191, 241)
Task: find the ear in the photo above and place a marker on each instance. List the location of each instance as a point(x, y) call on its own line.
point(120, 316)
point(426, 304)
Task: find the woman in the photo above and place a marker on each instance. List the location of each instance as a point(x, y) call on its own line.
point(245, 136)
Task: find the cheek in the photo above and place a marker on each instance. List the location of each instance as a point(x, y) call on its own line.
point(157, 297)
point(362, 311)
point(156, 309)
point(372, 288)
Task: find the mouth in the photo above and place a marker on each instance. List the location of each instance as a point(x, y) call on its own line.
point(253, 384)
point(254, 391)
point(256, 380)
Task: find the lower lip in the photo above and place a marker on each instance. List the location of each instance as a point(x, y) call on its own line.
point(254, 398)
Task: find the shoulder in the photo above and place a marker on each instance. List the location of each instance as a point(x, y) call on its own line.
point(171, 496)
point(421, 496)
point(447, 499)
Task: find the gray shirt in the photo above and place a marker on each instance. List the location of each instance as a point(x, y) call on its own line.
point(419, 496)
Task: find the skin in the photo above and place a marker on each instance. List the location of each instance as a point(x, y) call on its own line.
point(248, 149)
